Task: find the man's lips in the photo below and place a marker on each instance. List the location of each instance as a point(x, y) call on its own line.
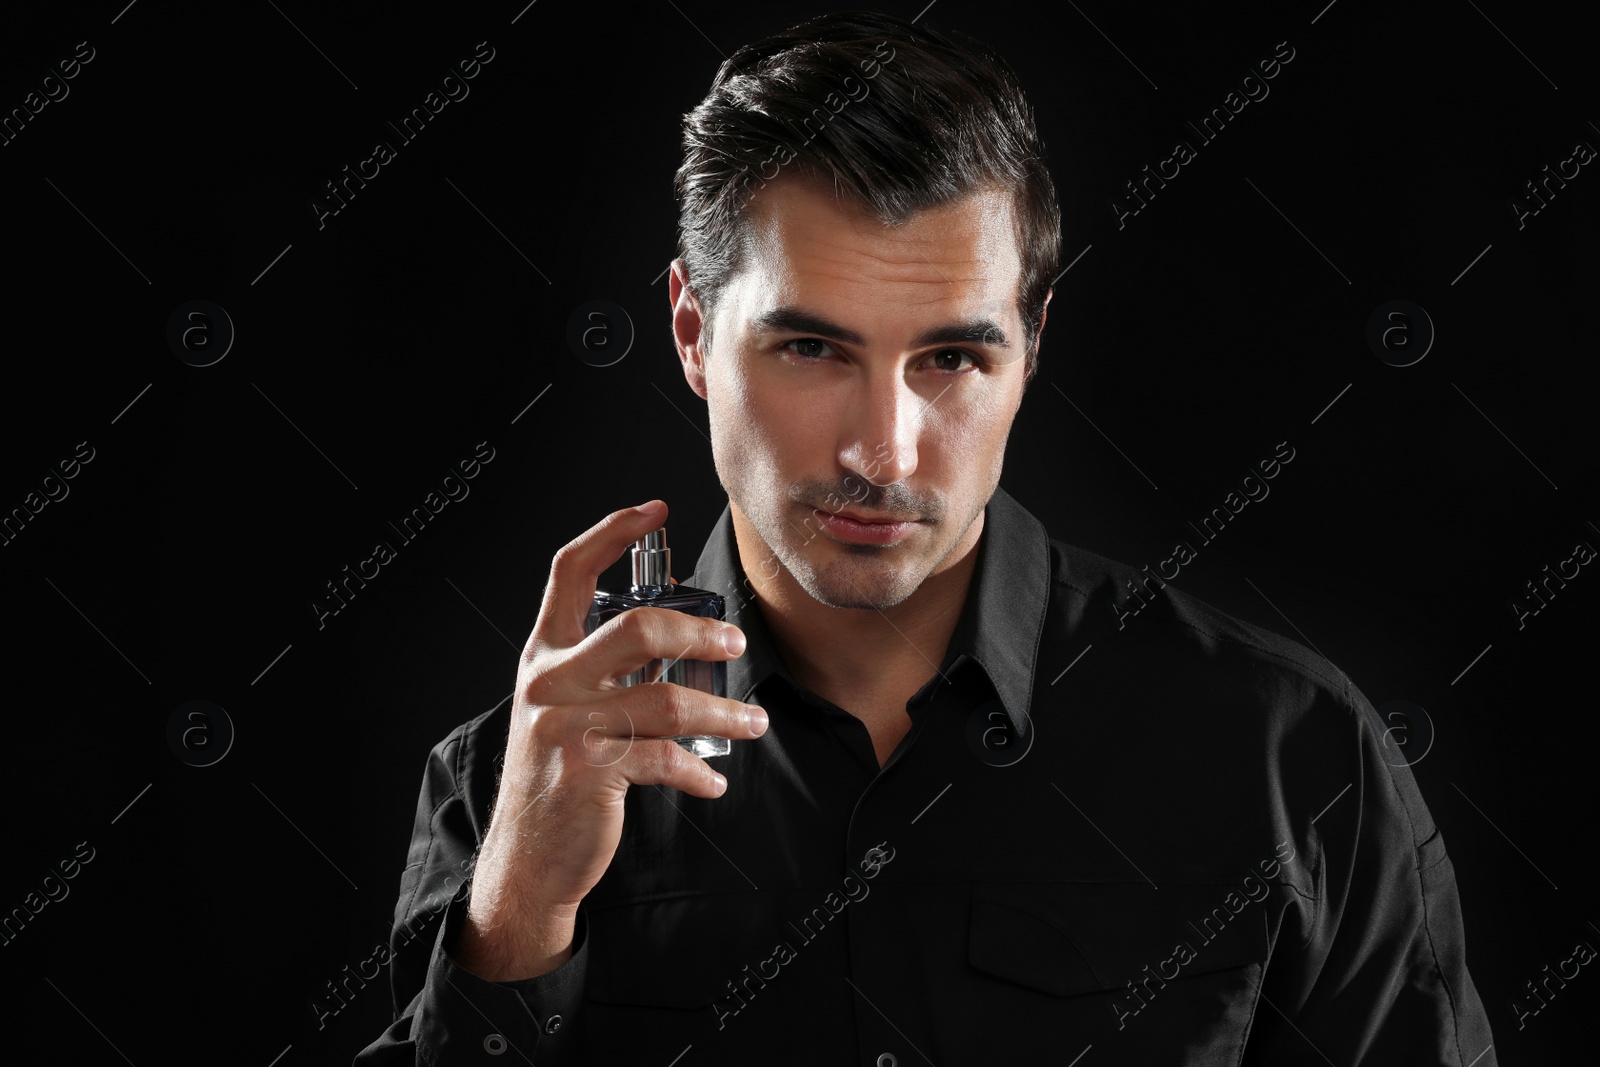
point(855, 516)
point(852, 528)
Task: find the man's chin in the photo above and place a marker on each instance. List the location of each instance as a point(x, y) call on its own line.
point(855, 582)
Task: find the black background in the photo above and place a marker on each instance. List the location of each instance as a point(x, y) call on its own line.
point(375, 352)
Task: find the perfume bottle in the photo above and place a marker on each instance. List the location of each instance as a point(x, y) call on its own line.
point(652, 587)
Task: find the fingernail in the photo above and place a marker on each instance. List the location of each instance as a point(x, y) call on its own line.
point(758, 719)
point(651, 509)
point(733, 640)
point(722, 783)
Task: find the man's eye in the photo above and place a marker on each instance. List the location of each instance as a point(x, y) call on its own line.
point(807, 349)
point(795, 346)
point(958, 352)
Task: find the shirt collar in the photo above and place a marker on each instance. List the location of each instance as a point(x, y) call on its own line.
point(1000, 626)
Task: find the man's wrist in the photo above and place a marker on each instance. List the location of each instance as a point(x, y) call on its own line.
point(501, 949)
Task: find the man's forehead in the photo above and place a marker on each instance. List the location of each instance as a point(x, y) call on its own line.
point(804, 247)
point(799, 212)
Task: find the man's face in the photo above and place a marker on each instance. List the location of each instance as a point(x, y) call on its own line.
point(894, 400)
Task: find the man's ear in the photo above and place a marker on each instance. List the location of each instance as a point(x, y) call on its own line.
point(687, 326)
point(1038, 338)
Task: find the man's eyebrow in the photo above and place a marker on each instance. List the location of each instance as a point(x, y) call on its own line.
point(790, 319)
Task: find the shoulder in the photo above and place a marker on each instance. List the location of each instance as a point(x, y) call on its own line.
point(1228, 711)
point(1148, 624)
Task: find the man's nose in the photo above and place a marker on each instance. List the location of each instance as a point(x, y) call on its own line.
point(880, 438)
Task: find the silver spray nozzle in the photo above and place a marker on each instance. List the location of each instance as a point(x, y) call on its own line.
point(652, 559)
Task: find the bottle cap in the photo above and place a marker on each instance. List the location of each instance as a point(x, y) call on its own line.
point(652, 559)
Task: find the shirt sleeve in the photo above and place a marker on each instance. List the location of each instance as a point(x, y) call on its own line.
point(1380, 974)
point(444, 1014)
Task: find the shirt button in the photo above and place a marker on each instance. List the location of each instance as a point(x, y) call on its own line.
point(552, 1024)
point(494, 1045)
point(887, 1060)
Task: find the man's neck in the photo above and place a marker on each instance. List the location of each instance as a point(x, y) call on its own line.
point(870, 654)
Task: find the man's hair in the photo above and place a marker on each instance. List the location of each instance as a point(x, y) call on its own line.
point(897, 117)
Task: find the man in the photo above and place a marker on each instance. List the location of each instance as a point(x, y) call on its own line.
point(992, 812)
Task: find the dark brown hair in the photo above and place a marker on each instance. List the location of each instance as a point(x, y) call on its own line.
point(897, 117)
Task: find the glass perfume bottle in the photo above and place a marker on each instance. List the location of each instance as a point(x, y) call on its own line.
point(652, 587)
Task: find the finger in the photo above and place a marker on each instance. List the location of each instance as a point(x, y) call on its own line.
point(665, 709)
point(605, 733)
point(576, 569)
point(668, 763)
point(638, 636)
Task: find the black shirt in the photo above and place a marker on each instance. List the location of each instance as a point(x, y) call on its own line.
point(1123, 826)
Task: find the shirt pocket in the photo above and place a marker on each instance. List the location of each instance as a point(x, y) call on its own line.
point(1147, 975)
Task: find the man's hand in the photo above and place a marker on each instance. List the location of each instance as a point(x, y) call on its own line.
point(577, 740)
